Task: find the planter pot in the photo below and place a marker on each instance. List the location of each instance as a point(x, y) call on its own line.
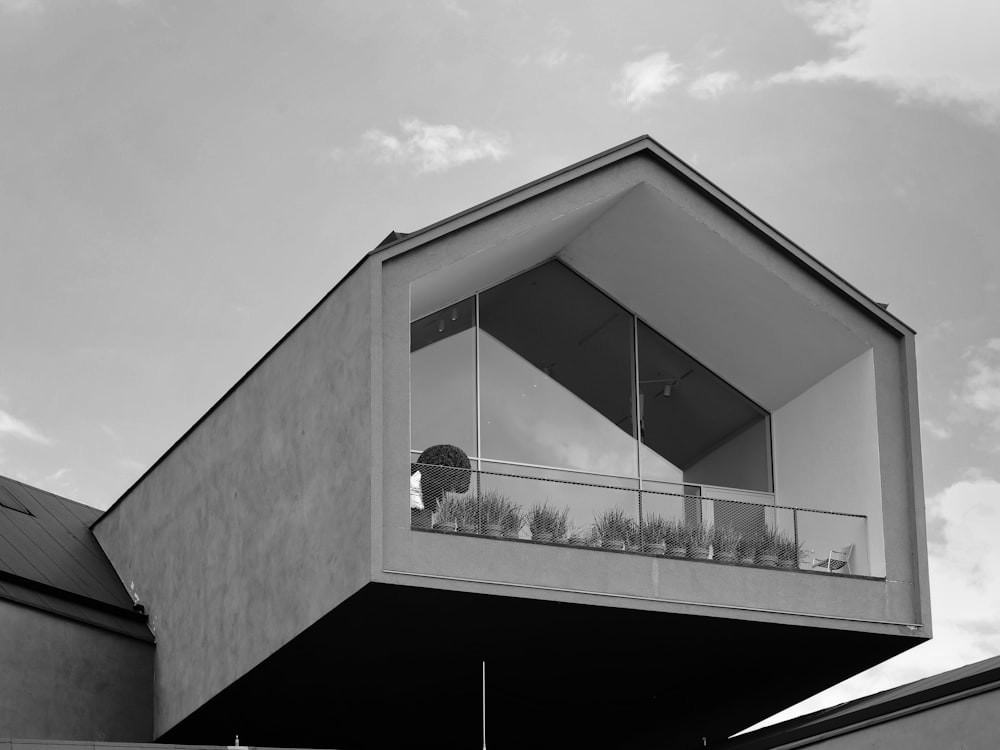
point(612, 543)
point(747, 560)
point(698, 553)
point(542, 536)
point(787, 564)
point(677, 551)
point(467, 527)
point(512, 533)
point(631, 547)
point(656, 548)
point(493, 529)
point(726, 557)
point(768, 560)
point(447, 526)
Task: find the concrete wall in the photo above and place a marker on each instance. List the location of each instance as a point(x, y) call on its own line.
point(969, 724)
point(630, 581)
point(258, 522)
point(741, 461)
point(826, 455)
point(61, 679)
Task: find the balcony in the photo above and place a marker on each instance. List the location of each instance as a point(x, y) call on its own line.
point(539, 505)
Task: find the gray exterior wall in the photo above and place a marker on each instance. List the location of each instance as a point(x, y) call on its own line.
point(257, 523)
point(970, 724)
point(897, 605)
point(66, 680)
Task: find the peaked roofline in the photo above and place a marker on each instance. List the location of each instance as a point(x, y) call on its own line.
point(397, 242)
point(406, 241)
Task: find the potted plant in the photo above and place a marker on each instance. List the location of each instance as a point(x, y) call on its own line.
point(699, 538)
point(512, 520)
point(747, 552)
point(675, 539)
point(612, 528)
point(654, 534)
point(448, 511)
point(768, 552)
point(577, 535)
point(493, 507)
point(546, 523)
point(789, 552)
point(725, 543)
point(468, 514)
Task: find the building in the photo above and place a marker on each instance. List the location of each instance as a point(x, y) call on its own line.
point(957, 708)
point(620, 341)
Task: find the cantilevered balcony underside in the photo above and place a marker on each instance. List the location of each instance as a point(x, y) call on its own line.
point(401, 666)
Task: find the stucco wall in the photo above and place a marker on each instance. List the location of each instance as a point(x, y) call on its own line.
point(259, 521)
point(61, 679)
point(826, 455)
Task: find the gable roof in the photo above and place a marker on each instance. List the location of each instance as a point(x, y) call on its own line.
point(646, 145)
point(50, 560)
point(946, 687)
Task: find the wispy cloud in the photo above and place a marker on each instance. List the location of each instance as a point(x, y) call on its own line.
point(977, 400)
point(935, 429)
point(20, 6)
point(642, 81)
point(910, 47)
point(12, 427)
point(713, 85)
point(434, 148)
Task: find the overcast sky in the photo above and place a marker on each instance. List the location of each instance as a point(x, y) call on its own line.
point(181, 181)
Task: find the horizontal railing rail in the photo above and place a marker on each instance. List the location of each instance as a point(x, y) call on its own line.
point(618, 513)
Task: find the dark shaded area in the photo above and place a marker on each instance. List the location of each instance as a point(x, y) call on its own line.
point(569, 330)
point(399, 666)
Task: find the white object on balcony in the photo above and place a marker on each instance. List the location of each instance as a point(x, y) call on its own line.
point(837, 561)
point(416, 496)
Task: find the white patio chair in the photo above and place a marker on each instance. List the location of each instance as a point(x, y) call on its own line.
point(838, 561)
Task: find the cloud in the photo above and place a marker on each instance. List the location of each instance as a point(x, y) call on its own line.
point(965, 593)
point(936, 430)
point(977, 400)
point(20, 6)
point(642, 81)
point(713, 85)
point(916, 48)
point(11, 426)
point(434, 148)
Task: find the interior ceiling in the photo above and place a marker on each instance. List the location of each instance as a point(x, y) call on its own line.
point(399, 666)
point(733, 315)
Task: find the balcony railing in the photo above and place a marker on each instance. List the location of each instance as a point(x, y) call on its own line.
point(657, 518)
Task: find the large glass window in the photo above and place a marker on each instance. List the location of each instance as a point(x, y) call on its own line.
point(554, 373)
point(556, 380)
point(443, 378)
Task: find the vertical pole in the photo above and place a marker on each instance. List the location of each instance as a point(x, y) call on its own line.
point(484, 704)
point(636, 416)
point(479, 447)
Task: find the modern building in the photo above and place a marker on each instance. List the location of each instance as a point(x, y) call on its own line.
point(955, 709)
point(713, 436)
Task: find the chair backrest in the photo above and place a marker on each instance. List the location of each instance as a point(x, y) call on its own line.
point(841, 558)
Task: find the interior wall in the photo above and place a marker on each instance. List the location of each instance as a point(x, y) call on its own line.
point(741, 461)
point(826, 455)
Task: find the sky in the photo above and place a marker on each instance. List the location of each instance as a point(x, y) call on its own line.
point(180, 182)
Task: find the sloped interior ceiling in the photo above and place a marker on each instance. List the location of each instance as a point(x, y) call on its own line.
point(493, 264)
point(703, 293)
point(737, 317)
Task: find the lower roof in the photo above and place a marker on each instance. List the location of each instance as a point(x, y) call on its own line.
point(50, 560)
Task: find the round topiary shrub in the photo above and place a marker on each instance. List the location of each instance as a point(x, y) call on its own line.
point(435, 482)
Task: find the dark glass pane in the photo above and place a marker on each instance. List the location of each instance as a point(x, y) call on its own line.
point(693, 425)
point(556, 374)
point(443, 378)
